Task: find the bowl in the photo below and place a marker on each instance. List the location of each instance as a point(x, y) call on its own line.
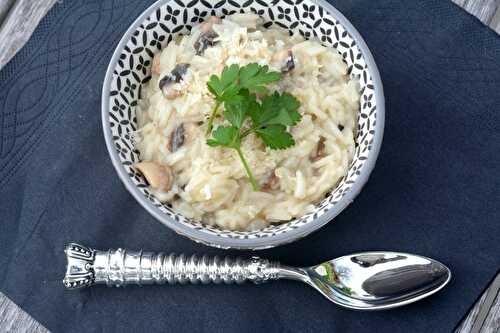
point(129, 69)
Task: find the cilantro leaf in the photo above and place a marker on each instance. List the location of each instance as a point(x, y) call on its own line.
point(276, 136)
point(255, 113)
point(236, 90)
point(276, 109)
point(248, 71)
point(230, 74)
point(232, 90)
point(253, 77)
point(235, 80)
point(225, 137)
point(236, 110)
point(227, 82)
point(289, 106)
point(215, 86)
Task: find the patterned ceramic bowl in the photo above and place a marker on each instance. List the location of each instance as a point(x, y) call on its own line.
point(158, 25)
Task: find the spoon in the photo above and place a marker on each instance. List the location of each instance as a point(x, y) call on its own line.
point(361, 281)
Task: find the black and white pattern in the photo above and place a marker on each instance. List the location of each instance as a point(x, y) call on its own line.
point(178, 17)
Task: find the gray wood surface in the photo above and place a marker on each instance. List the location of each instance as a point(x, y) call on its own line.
point(14, 319)
point(483, 9)
point(492, 322)
point(495, 21)
point(18, 19)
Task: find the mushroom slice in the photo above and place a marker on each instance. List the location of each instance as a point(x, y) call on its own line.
point(289, 64)
point(271, 183)
point(177, 138)
point(158, 176)
point(205, 41)
point(181, 135)
point(286, 59)
point(320, 149)
point(175, 76)
point(207, 36)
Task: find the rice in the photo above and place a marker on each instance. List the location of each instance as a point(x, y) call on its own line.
point(210, 184)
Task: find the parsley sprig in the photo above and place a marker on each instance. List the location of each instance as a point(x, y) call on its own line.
point(234, 79)
point(268, 117)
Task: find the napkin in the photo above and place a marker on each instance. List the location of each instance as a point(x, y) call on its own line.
point(435, 190)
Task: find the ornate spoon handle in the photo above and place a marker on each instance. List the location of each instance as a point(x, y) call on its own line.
point(119, 267)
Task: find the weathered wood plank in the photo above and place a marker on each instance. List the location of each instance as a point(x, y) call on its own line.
point(469, 321)
point(492, 322)
point(18, 24)
point(5, 6)
point(482, 9)
point(14, 319)
point(495, 21)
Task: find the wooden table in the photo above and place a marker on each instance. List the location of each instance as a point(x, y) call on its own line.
point(18, 19)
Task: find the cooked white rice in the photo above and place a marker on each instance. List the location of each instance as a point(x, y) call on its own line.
point(210, 184)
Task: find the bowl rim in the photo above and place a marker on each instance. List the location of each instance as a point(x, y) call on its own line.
point(249, 243)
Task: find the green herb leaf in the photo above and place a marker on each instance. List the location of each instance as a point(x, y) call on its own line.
point(226, 84)
point(276, 136)
point(236, 110)
point(232, 90)
point(230, 74)
point(289, 106)
point(253, 77)
point(215, 86)
point(276, 110)
point(236, 90)
point(225, 137)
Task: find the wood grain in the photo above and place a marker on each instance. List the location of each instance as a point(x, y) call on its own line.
point(492, 322)
point(18, 19)
point(14, 319)
point(495, 21)
point(5, 6)
point(488, 11)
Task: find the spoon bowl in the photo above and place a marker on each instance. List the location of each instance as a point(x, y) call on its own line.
point(374, 280)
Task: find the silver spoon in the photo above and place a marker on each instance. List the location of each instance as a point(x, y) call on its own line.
point(362, 281)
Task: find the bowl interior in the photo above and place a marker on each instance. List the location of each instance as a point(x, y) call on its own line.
point(130, 69)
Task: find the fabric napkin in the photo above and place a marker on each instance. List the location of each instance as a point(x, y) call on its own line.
point(435, 190)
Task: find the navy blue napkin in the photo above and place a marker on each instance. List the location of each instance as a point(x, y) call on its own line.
point(435, 190)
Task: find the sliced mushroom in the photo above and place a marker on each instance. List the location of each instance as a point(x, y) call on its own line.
point(176, 138)
point(320, 149)
point(183, 134)
point(286, 59)
point(155, 68)
point(207, 35)
point(271, 183)
point(175, 76)
point(289, 63)
point(158, 176)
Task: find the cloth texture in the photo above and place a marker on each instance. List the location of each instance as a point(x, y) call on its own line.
point(435, 190)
